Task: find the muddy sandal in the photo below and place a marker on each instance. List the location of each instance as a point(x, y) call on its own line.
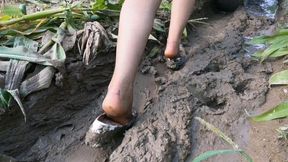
point(177, 62)
point(104, 130)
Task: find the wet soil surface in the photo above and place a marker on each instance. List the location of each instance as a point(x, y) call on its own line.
point(219, 83)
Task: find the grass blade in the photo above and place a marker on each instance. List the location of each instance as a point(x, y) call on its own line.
point(210, 154)
point(280, 111)
point(280, 78)
point(225, 138)
point(218, 133)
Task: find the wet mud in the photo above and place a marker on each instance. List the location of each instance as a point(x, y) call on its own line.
point(219, 83)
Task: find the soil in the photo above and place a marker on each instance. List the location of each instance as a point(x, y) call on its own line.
point(219, 83)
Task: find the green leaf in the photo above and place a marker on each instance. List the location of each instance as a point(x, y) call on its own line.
point(159, 25)
point(270, 50)
point(166, 6)
point(26, 42)
point(25, 54)
point(280, 111)
point(58, 52)
point(99, 5)
point(218, 132)
point(23, 9)
point(277, 45)
point(210, 154)
point(279, 53)
point(154, 52)
point(5, 99)
point(4, 18)
point(280, 78)
point(12, 11)
point(258, 40)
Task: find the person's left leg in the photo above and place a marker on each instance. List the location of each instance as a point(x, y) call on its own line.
point(136, 20)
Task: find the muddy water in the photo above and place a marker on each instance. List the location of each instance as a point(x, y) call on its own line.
point(218, 84)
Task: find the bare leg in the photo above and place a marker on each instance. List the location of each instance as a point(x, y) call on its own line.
point(181, 11)
point(136, 20)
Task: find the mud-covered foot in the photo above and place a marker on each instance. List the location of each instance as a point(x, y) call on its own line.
point(118, 103)
point(117, 118)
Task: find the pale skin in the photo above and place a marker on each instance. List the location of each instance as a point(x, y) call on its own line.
point(136, 20)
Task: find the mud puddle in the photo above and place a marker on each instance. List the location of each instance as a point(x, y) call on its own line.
point(219, 83)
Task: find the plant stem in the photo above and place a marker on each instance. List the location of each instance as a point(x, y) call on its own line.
point(34, 16)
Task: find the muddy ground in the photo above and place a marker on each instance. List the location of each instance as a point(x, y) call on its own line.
point(219, 83)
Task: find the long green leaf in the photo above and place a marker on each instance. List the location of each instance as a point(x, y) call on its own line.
point(281, 34)
point(280, 111)
point(258, 40)
point(277, 45)
point(99, 5)
point(34, 16)
point(266, 53)
point(280, 78)
point(220, 134)
point(210, 154)
point(279, 53)
point(25, 54)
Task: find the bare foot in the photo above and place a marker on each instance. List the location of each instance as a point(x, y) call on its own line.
point(118, 104)
point(172, 49)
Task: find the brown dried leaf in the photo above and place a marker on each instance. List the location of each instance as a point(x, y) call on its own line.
point(38, 82)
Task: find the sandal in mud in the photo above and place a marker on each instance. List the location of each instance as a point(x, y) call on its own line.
point(176, 63)
point(104, 131)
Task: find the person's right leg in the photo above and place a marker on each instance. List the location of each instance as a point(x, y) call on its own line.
point(181, 11)
point(136, 20)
